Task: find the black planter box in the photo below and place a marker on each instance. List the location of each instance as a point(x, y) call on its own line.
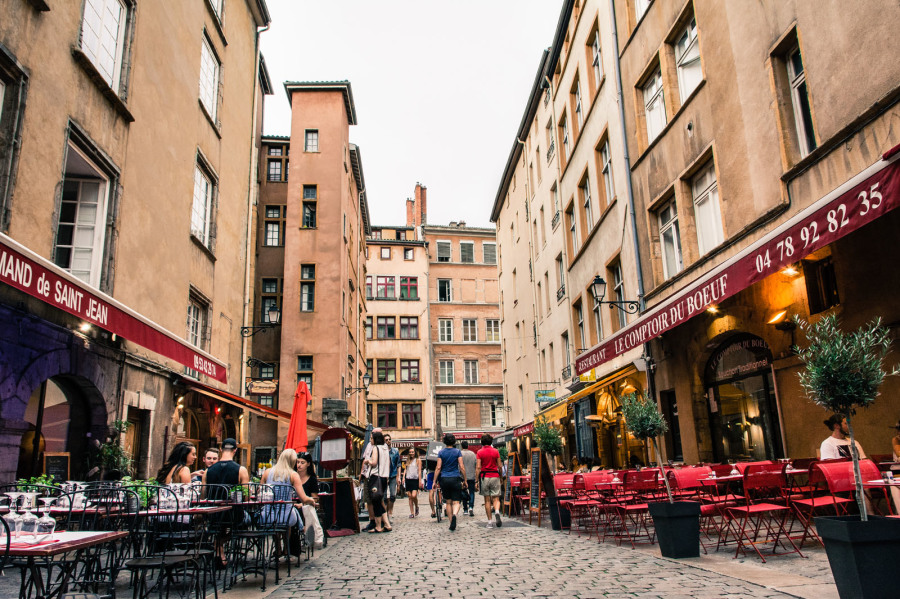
point(559, 518)
point(677, 528)
point(864, 556)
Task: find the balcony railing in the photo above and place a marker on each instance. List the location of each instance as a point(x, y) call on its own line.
point(561, 292)
point(567, 372)
point(551, 150)
point(555, 220)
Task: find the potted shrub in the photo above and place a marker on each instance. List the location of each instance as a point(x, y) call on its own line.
point(549, 440)
point(677, 523)
point(843, 372)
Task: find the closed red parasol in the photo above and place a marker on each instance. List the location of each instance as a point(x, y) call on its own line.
point(296, 437)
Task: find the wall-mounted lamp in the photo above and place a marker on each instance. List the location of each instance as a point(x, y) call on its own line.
point(790, 270)
point(713, 309)
point(367, 379)
point(781, 322)
point(85, 327)
point(598, 290)
point(274, 318)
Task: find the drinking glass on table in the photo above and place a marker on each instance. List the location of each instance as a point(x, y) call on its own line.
point(734, 469)
point(29, 520)
point(12, 517)
point(46, 523)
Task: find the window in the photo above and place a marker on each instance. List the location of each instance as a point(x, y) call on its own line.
point(311, 140)
point(387, 415)
point(654, 105)
point(277, 163)
point(269, 373)
point(412, 415)
point(584, 191)
point(466, 252)
point(305, 370)
point(81, 229)
point(307, 287)
point(443, 251)
point(567, 353)
point(368, 327)
point(471, 372)
point(197, 321)
point(384, 287)
point(201, 207)
point(598, 324)
point(640, 7)
point(103, 27)
point(492, 333)
point(218, 6)
point(309, 215)
point(800, 102)
point(495, 416)
point(707, 214)
point(409, 327)
point(445, 293)
point(210, 68)
point(445, 330)
point(273, 234)
point(670, 240)
point(409, 371)
point(469, 330)
point(448, 415)
point(386, 371)
point(618, 292)
point(376, 234)
point(604, 165)
point(490, 252)
point(270, 297)
point(409, 288)
point(369, 287)
point(821, 284)
point(385, 253)
point(573, 231)
point(596, 60)
point(445, 372)
point(387, 327)
point(564, 132)
point(409, 254)
point(577, 106)
point(687, 56)
point(578, 315)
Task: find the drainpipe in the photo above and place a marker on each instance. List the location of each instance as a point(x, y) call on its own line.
point(532, 259)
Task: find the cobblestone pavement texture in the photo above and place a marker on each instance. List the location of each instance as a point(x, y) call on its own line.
point(422, 558)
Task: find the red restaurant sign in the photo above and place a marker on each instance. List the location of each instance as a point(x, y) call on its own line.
point(869, 195)
point(525, 429)
point(31, 274)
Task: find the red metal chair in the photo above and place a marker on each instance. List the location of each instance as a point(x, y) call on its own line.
point(585, 507)
point(819, 499)
point(841, 482)
point(687, 485)
point(763, 511)
point(632, 513)
point(741, 466)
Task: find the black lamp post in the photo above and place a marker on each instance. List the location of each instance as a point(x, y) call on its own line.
point(598, 290)
point(274, 318)
point(367, 379)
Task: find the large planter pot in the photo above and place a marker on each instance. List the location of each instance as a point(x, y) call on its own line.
point(864, 556)
point(559, 518)
point(677, 528)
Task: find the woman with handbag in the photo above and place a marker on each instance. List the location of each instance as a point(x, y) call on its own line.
point(380, 464)
point(450, 476)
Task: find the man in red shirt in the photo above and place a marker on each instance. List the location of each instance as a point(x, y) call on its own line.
point(487, 479)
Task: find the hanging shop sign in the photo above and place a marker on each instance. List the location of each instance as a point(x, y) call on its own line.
point(26, 271)
point(545, 396)
point(864, 198)
point(262, 387)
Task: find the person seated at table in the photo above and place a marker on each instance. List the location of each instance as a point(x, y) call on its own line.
point(635, 461)
point(210, 457)
point(177, 468)
point(307, 473)
point(895, 442)
point(285, 482)
point(837, 445)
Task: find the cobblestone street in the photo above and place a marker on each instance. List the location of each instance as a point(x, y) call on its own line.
point(421, 558)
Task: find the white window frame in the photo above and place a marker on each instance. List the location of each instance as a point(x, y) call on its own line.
point(579, 107)
point(585, 191)
point(445, 372)
point(445, 330)
point(705, 192)
point(409, 254)
point(470, 369)
point(210, 69)
point(85, 228)
point(444, 251)
point(201, 205)
point(667, 217)
point(573, 229)
point(448, 415)
point(606, 172)
point(218, 7)
point(471, 246)
point(484, 247)
point(640, 8)
point(311, 140)
point(598, 322)
point(492, 330)
point(566, 145)
point(104, 47)
point(449, 290)
point(470, 330)
point(797, 81)
point(619, 293)
point(579, 324)
point(307, 289)
point(687, 56)
point(197, 318)
point(597, 60)
point(385, 252)
point(272, 227)
point(654, 105)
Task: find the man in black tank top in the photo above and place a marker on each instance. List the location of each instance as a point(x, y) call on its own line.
point(226, 471)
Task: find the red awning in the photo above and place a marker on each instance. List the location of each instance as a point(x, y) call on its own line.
point(241, 402)
point(28, 272)
point(864, 198)
point(523, 430)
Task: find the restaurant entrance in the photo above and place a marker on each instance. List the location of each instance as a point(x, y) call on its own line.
point(743, 411)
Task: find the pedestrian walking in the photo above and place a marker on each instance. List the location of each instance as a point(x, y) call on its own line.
point(413, 481)
point(450, 477)
point(363, 479)
point(391, 496)
point(468, 457)
point(488, 479)
point(379, 469)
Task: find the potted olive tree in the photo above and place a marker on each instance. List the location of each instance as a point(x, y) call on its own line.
point(843, 372)
point(677, 523)
point(547, 437)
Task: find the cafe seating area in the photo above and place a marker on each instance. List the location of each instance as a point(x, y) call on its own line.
point(177, 540)
point(761, 509)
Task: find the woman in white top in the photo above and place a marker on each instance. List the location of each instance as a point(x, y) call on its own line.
point(380, 464)
point(413, 481)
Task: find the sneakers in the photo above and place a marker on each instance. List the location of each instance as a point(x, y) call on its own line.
point(471, 513)
point(453, 523)
point(497, 520)
point(490, 524)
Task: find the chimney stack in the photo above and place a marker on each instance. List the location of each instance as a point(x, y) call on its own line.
point(411, 213)
point(422, 203)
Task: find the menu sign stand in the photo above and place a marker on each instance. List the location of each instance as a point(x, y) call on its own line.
point(57, 465)
point(512, 469)
point(541, 478)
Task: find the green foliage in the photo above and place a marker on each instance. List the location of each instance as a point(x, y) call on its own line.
point(642, 416)
point(43, 479)
point(547, 437)
point(843, 370)
point(111, 453)
point(139, 487)
point(504, 453)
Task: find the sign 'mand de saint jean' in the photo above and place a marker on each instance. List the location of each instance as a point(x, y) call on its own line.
point(27, 272)
point(834, 216)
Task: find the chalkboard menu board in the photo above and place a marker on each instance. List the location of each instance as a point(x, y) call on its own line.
point(535, 480)
point(57, 464)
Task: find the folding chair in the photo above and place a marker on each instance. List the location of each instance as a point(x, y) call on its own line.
point(633, 513)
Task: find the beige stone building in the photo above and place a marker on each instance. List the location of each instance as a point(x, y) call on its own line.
point(128, 141)
point(398, 349)
point(464, 323)
point(312, 223)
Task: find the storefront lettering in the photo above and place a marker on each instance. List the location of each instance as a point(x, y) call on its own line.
point(14, 270)
point(203, 365)
point(68, 296)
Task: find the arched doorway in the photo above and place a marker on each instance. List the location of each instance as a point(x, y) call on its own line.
point(59, 419)
point(743, 411)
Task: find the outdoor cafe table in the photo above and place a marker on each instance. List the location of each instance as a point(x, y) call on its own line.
point(62, 542)
point(885, 487)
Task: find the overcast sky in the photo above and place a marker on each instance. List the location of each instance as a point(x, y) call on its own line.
point(439, 85)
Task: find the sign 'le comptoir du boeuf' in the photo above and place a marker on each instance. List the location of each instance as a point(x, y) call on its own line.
point(871, 194)
point(22, 269)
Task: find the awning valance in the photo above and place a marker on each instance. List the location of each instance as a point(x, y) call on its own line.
point(555, 412)
point(864, 198)
point(627, 371)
